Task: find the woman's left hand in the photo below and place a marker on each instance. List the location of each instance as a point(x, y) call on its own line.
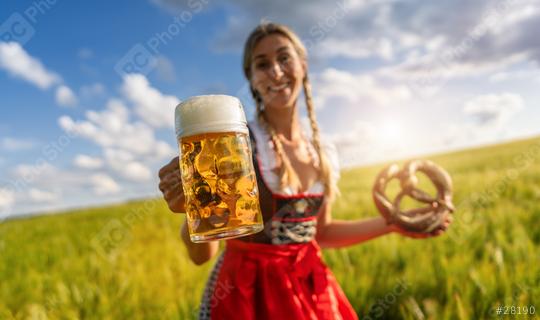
point(416, 235)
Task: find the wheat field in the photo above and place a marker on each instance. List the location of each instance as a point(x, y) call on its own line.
point(127, 261)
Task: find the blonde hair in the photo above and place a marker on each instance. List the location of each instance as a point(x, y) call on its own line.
point(288, 177)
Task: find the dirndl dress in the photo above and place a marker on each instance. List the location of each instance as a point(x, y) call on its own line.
point(277, 273)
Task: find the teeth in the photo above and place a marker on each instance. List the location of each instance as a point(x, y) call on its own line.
point(281, 87)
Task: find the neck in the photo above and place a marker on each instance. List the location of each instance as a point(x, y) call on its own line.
point(285, 122)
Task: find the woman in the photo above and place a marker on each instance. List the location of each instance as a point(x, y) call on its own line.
point(278, 273)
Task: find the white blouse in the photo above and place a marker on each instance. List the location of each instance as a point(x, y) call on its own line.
point(268, 162)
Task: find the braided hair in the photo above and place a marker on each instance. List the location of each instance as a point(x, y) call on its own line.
point(288, 176)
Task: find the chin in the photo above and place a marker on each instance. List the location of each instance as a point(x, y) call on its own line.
point(280, 102)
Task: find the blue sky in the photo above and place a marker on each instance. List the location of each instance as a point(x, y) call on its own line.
point(83, 122)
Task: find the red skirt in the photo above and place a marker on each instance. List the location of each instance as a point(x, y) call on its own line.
point(263, 281)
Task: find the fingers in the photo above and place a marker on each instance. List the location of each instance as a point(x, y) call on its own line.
point(419, 235)
point(172, 166)
point(170, 184)
point(173, 179)
point(177, 204)
point(446, 224)
point(443, 227)
point(169, 176)
point(175, 198)
point(170, 194)
point(162, 186)
point(412, 234)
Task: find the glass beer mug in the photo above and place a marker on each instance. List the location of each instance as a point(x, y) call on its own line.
point(222, 198)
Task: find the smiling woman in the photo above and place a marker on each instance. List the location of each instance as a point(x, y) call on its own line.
point(279, 273)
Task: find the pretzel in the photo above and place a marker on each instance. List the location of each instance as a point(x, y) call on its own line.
point(422, 220)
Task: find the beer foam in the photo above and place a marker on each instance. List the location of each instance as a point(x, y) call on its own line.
point(209, 113)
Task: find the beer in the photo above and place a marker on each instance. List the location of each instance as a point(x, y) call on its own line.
point(217, 171)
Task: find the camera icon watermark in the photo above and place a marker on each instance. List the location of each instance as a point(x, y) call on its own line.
point(16, 28)
point(142, 58)
point(19, 27)
point(117, 234)
point(137, 60)
point(112, 237)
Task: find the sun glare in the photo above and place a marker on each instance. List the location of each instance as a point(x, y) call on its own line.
point(390, 132)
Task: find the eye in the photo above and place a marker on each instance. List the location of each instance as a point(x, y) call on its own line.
point(262, 65)
point(284, 58)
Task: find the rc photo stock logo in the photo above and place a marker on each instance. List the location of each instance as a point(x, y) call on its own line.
point(137, 60)
point(111, 238)
point(16, 28)
point(142, 57)
point(19, 27)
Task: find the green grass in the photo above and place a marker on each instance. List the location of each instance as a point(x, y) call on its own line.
point(61, 267)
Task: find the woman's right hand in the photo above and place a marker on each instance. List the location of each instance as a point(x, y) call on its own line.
point(170, 184)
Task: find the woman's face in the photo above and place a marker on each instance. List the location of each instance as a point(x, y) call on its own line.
point(277, 71)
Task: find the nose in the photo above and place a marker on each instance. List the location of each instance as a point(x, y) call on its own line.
point(276, 71)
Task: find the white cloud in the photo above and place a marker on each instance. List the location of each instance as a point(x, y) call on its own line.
point(493, 109)
point(466, 134)
point(356, 90)
point(31, 172)
point(499, 77)
point(151, 106)
point(472, 46)
point(7, 199)
point(87, 162)
point(513, 17)
point(37, 195)
point(125, 164)
point(44, 176)
point(103, 184)
point(92, 90)
point(15, 144)
point(118, 156)
point(85, 53)
point(379, 47)
point(135, 171)
point(15, 60)
point(129, 148)
point(72, 187)
point(162, 150)
point(390, 29)
point(528, 73)
point(367, 142)
point(111, 128)
point(428, 73)
point(486, 122)
point(65, 96)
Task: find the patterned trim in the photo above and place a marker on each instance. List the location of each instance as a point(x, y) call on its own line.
point(288, 218)
point(293, 232)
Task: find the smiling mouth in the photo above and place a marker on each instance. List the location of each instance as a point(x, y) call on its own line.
point(278, 88)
